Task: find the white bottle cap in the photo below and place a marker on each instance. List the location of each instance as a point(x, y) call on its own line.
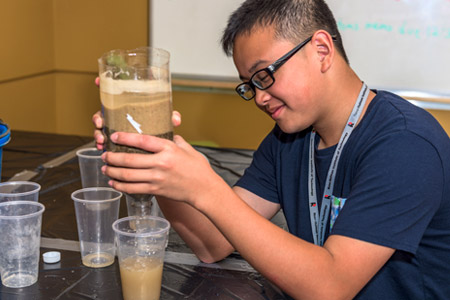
point(51, 257)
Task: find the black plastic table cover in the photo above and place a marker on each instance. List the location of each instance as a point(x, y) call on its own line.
point(50, 160)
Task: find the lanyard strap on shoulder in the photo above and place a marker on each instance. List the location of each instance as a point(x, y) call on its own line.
point(319, 222)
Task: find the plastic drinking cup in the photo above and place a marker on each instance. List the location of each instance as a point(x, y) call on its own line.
point(20, 222)
point(96, 209)
point(141, 244)
point(90, 162)
point(5, 136)
point(19, 190)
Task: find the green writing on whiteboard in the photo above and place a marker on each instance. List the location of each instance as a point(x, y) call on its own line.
point(403, 29)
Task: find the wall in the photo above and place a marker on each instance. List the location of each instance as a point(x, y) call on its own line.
point(391, 44)
point(223, 119)
point(83, 30)
point(26, 61)
point(443, 116)
point(49, 65)
point(27, 38)
point(48, 62)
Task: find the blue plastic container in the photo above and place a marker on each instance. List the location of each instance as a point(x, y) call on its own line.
point(5, 136)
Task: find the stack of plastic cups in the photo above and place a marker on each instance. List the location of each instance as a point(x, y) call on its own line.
point(5, 136)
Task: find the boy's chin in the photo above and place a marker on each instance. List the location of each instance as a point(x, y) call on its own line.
point(289, 129)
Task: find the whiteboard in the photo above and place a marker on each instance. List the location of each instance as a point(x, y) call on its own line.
point(400, 45)
point(191, 31)
point(397, 44)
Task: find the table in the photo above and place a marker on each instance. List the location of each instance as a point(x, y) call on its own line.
point(50, 160)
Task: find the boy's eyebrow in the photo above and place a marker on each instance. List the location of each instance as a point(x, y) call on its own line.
point(255, 65)
point(252, 69)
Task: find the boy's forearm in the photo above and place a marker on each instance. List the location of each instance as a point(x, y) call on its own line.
point(205, 240)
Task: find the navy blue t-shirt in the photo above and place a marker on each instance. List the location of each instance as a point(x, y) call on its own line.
point(394, 173)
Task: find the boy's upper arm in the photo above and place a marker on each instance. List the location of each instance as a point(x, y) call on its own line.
point(264, 207)
point(356, 261)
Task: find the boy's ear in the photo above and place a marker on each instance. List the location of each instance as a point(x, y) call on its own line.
point(324, 47)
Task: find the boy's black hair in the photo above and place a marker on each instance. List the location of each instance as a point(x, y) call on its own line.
point(294, 20)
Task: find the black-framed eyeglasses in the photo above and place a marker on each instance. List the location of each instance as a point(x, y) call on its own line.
point(264, 79)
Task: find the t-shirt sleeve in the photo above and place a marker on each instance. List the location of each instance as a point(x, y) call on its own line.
point(260, 177)
point(397, 189)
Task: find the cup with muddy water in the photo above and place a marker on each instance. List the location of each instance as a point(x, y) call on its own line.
point(96, 208)
point(136, 97)
point(141, 244)
point(21, 223)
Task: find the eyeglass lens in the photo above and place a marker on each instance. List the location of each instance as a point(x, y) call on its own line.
point(262, 79)
point(245, 91)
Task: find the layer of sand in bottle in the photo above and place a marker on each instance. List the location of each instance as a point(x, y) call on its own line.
point(140, 106)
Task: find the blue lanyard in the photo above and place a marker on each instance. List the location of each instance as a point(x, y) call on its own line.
point(319, 222)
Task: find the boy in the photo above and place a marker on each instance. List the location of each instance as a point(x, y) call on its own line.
point(362, 176)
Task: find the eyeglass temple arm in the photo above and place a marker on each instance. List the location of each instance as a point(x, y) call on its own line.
point(273, 67)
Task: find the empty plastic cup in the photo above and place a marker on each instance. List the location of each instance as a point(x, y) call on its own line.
point(96, 209)
point(19, 190)
point(90, 162)
point(5, 136)
point(141, 244)
point(20, 222)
